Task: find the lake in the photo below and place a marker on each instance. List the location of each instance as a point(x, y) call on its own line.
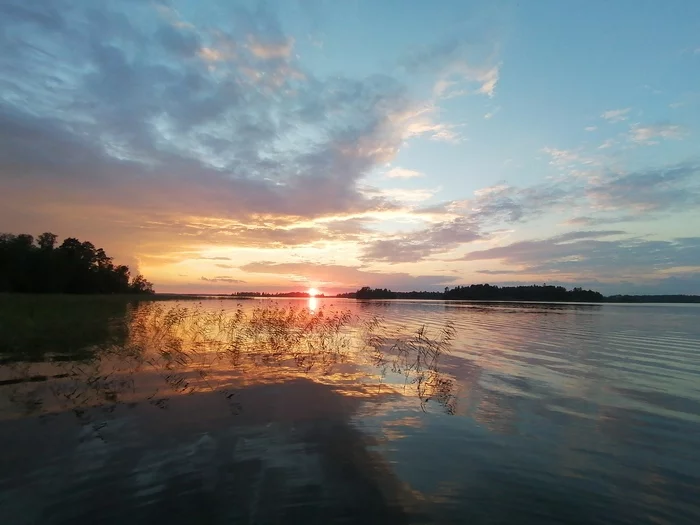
point(337, 411)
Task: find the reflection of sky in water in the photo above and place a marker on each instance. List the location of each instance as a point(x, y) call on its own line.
point(561, 414)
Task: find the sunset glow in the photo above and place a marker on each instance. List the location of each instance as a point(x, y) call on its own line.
point(215, 147)
point(313, 292)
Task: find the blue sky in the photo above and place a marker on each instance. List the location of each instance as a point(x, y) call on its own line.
point(220, 146)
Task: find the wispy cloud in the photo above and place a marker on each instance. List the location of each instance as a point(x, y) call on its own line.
point(405, 195)
point(671, 188)
point(462, 68)
point(270, 50)
point(492, 113)
point(334, 275)
point(418, 245)
point(561, 157)
point(424, 121)
point(650, 134)
point(616, 115)
point(590, 254)
point(573, 162)
point(601, 220)
point(461, 79)
point(499, 272)
point(402, 173)
point(222, 279)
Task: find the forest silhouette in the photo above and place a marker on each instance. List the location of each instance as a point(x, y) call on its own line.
point(487, 292)
point(29, 265)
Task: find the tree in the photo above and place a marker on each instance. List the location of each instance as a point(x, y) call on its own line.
point(141, 285)
point(73, 267)
point(47, 241)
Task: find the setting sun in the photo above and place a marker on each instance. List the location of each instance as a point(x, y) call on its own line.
point(313, 292)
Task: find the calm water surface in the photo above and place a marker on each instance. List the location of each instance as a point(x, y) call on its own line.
point(398, 412)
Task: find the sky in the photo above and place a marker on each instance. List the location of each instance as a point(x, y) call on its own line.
point(220, 146)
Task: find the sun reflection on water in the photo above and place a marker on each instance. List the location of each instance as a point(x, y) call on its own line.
point(313, 304)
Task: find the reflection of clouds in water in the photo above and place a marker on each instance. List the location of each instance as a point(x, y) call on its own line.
point(292, 456)
point(558, 406)
point(171, 350)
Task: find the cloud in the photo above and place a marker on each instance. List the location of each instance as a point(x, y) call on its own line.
point(222, 279)
point(499, 272)
point(402, 195)
point(348, 229)
point(586, 234)
point(463, 68)
point(270, 50)
point(585, 255)
point(600, 220)
point(461, 79)
point(488, 79)
point(132, 125)
point(402, 173)
point(570, 160)
point(182, 43)
point(611, 197)
point(505, 203)
point(224, 265)
point(422, 120)
point(590, 128)
point(671, 188)
point(470, 220)
point(210, 54)
point(616, 115)
point(349, 277)
point(647, 134)
point(418, 245)
point(492, 113)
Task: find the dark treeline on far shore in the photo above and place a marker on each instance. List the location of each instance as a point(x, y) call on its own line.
point(40, 266)
point(383, 293)
point(486, 292)
point(277, 294)
point(653, 299)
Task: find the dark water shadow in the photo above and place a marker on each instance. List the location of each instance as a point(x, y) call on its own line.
point(291, 457)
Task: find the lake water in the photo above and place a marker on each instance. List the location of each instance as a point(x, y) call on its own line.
point(339, 411)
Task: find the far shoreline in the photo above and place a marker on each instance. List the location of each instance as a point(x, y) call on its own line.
point(612, 300)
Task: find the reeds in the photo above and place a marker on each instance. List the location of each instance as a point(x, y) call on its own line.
point(187, 345)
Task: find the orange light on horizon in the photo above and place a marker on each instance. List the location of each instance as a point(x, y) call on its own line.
point(313, 292)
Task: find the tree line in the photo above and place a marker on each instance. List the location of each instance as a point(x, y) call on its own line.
point(275, 294)
point(486, 292)
point(29, 265)
point(384, 293)
point(653, 298)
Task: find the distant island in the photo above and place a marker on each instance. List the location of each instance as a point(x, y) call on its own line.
point(487, 292)
point(39, 266)
point(276, 294)
point(653, 299)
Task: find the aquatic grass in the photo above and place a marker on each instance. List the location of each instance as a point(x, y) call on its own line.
point(186, 345)
point(415, 356)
